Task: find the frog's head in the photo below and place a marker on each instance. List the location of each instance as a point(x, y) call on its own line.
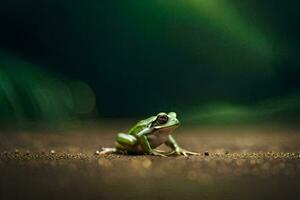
point(166, 121)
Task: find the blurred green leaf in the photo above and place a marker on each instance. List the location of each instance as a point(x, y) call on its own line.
point(29, 93)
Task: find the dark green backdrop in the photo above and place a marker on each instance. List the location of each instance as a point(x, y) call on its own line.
point(208, 60)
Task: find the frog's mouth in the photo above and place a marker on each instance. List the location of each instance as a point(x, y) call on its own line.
point(168, 128)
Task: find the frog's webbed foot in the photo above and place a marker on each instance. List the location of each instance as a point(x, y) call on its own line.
point(180, 151)
point(158, 153)
point(107, 150)
point(166, 153)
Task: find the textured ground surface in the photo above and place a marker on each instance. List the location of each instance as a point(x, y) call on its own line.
point(240, 163)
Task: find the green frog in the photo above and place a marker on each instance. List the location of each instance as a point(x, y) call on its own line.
point(147, 135)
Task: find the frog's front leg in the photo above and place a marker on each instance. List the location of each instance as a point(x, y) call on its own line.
point(171, 142)
point(142, 136)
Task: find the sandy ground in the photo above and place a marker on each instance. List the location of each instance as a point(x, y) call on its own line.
point(239, 163)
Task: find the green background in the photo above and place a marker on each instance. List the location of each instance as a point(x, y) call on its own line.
point(217, 61)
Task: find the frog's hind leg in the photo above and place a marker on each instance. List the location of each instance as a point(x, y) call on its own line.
point(108, 150)
point(126, 143)
point(160, 151)
point(166, 153)
point(126, 140)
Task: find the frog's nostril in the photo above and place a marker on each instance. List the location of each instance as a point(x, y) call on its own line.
point(173, 114)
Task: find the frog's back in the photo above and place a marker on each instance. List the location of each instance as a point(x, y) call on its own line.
point(141, 125)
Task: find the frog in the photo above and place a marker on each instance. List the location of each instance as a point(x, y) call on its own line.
point(148, 134)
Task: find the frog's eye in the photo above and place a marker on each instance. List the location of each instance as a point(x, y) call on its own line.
point(162, 119)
